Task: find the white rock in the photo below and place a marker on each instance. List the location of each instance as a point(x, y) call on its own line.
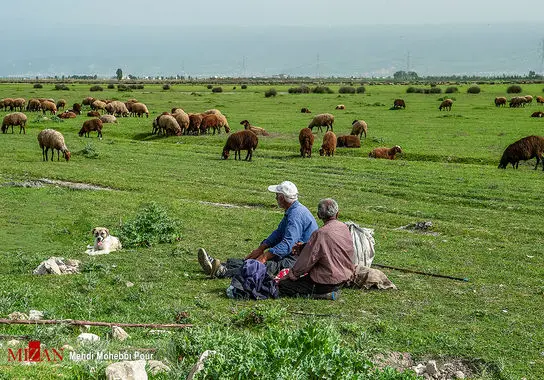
point(35, 315)
point(199, 366)
point(118, 333)
point(159, 332)
point(18, 316)
point(88, 337)
point(431, 367)
point(67, 347)
point(127, 370)
point(13, 342)
point(459, 375)
point(156, 366)
point(129, 284)
point(419, 369)
point(51, 266)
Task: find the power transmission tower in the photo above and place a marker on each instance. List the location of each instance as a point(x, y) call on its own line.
point(317, 66)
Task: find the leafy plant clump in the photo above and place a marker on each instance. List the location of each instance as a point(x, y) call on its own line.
point(361, 89)
point(270, 92)
point(217, 89)
point(111, 86)
point(244, 86)
point(473, 90)
point(346, 90)
point(38, 85)
point(209, 87)
point(166, 86)
point(61, 87)
point(514, 89)
point(322, 90)
point(123, 87)
point(152, 225)
point(451, 90)
point(299, 90)
point(89, 151)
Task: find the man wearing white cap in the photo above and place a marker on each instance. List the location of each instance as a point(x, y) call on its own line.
point(297, 225)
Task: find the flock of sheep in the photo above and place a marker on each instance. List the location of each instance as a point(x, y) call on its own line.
point(177, 122)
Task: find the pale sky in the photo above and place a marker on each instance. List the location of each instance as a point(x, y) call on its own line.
point(38, 13)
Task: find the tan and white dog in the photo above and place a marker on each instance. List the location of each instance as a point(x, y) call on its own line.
point(104, 243)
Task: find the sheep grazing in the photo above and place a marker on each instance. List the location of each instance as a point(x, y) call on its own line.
point(385, 152)
point(18, 103)
point(61, 103)
point(517, 101)
point(166, 124)
point(118, 108)
point(523, 150)
point(348, 142)
point(398, 104)
point(329, 144)
point(98, 105)
point(51, 139)
point(108, 119)
point(176, 110)
point(194, 123)
point(358, 127)
point(540, 99)
point(138, 109)
point(213, 110)
point(306, 140)
point(91, 125)
point(340, 107)
point(528, 99)
point(67, 115)
point(93, 114)
point(500, 101)
point(446, 104)
point(33, 105)
point(16, 118)
point(238, 141)
point(305, 110)
point(50, 106)
point(6, 103)
point(209, 122)
point(321, 120)
point(182, 118)
point(537, 114)
point(257, 130)
point(88, 101)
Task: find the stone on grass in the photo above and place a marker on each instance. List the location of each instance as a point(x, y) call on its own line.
point(156, 366)
point(459, 375)
point(431, 367)
point(57, 265)
point(419, 369)
point(13, 342)
point(88, 337)
point(35, 315)
point(18, 316)
point(118, 333)
point(127, 370)
point(199, 366)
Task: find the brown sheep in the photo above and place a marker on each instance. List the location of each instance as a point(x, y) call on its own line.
point(306, 140)
point(182, 118)
point(33, 105)
point(210, 121)
point(446, 104)
point(117, 108)
point(16, 118)
point(156, 128)
point(61, 103)
point(358, 127)
point(93, 114)
point(517, 101)
point(340, 107)
point(49, 138)
point(329, 144)
point(385, 152)
point(67, 115)
point(166, 124)
point(540, 99)
point(537, 114)
point(76, 108)
point(98, 105)
point(88, 101)
point(7, 103)
point(528, 99)
point(194, 123)
point(523, 150)
point(91, 125)
point(500, 101)
point(257, 130)
point(138, 109)
point(18, 103)
point(348, 142)
point(324, 119)
point(305, 110)
point(48, 105)
point(176, 110)
point(238, 141)
point(399, 103)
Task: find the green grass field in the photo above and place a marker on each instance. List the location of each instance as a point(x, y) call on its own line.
point(488, 224)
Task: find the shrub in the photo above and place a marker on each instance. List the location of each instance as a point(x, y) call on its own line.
point(209, 87)
point(270, 92)
point(123, 87)
point(38, 85)
point(244, 86)
point(111, 86)
point(473, 90)
point(166, 86)
point(96, 88)
point(136, 86)
point(434, 90)
point(346, 90)
point(451, 90)
point(322, 90)
point(514, 89)
point(299, 90)
point(89, 151)
point(151, 225)
point(62, 87)
point(361, 90)
point(217, 89)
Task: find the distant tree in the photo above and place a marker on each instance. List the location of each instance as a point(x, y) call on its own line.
point(405, 76)
point(119, 74)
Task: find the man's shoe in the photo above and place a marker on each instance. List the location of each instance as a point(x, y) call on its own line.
point(218, 269)
point(334, 295)
point(205, 261)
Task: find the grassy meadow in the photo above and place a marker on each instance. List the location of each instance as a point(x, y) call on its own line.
point(488, 225)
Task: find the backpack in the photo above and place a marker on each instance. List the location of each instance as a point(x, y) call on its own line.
point(363, 244)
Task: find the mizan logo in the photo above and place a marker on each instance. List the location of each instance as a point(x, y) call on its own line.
point(34, 353)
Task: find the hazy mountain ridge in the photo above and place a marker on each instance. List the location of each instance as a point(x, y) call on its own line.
point(250, 51)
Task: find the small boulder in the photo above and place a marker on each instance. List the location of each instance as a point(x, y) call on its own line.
point(35, 315)
point(127, 370)
point(431, 367)
point(13, 342)
point(156, 367)
point(459, 375)
point(118, 333)
point(18, 316)
point(88, 337)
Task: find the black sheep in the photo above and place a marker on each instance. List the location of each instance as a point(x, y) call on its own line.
point(523, 150)
point(241, 140)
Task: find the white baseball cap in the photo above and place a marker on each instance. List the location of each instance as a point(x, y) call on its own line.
point(286, 188)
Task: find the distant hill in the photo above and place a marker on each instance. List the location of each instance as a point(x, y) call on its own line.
point(250, 51)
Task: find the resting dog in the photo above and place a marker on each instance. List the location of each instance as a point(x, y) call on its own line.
point(104, 243)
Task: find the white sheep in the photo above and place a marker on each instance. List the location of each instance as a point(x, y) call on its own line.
point(323, 119)
point(358, 127)
point(108, 119)
point(49, 138)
